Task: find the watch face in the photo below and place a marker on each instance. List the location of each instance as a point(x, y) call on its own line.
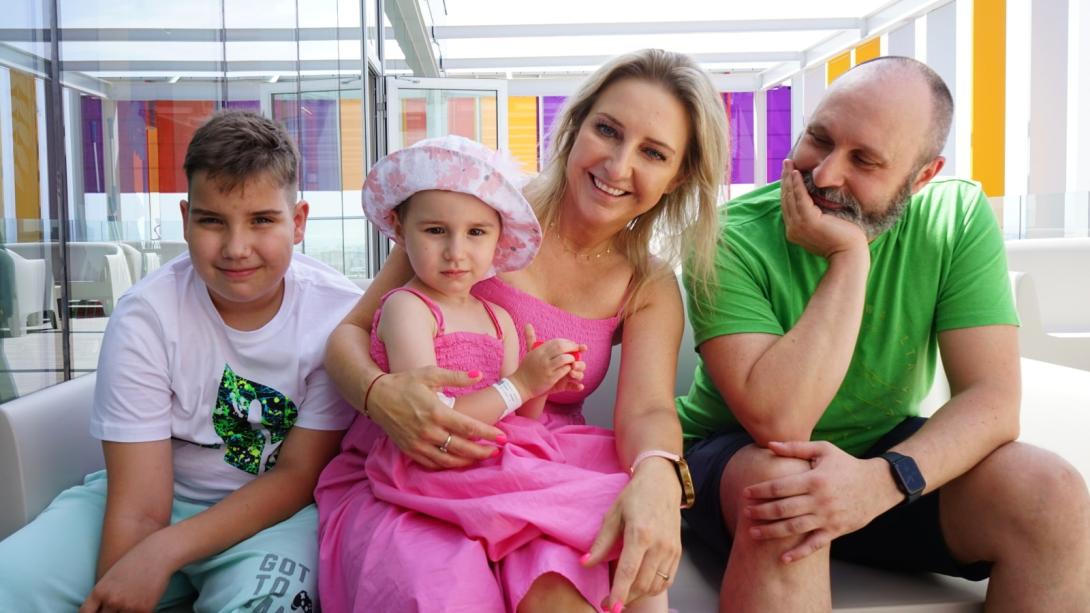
point(909, 474)
point(688, 492)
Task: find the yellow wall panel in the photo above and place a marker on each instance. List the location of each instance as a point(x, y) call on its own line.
point(24, 127)
point(868, 50)
point(489, 131)
point(351, 144)
point(837, 65)
point(989, 88)
point(522, 131)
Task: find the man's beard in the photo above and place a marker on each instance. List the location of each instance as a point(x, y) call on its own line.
point(873, 224)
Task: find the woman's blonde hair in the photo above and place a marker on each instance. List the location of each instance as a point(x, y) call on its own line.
point(683, 222)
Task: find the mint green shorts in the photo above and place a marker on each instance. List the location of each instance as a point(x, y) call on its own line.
point(49, 564)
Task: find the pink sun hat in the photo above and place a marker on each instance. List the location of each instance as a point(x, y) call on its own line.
point(457, 164)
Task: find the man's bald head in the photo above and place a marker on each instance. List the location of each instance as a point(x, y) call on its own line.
point(893, 71)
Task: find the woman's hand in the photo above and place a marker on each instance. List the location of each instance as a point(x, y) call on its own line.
point(406, 407)
point(647, 514)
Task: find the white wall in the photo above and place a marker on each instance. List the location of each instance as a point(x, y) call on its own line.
point(1048, 97)
point(1078, 95)
point(942, 56)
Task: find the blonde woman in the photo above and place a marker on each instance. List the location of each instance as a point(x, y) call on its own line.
point(639, 150)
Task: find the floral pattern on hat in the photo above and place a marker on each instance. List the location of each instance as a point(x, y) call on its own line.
point(457, 164)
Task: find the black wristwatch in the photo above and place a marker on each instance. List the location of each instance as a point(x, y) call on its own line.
point(906, 474)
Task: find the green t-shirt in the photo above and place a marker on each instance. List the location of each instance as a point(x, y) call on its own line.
point(941, 267)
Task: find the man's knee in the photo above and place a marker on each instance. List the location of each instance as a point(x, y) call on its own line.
point(752, 465)
point(1030, 493)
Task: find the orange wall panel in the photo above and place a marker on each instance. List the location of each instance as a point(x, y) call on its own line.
point(462, 117)
point(837, 65)
point(24, 127)
point(351, 112)
point(175, 123)
point(522, 137)
point(414, 120)
point(989, 94)
point(489, 130)
point(868, 50)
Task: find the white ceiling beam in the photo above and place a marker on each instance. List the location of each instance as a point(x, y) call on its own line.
point(655, 27)
point(876, 24)
point(778, 74)
point(413, 36)
point(596, 60)
point(897, 13)
point(566, 85)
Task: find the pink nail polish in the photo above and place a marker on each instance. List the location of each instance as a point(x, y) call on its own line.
point(617, 607)
point(495, 452)
point(584, 559)
point(576, 355)
point(501, 439)
point(473, 374)
point(537, 344)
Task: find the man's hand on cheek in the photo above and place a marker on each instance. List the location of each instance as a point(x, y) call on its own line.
point(807, 226)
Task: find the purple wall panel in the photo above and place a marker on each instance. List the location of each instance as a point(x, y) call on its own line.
point(94, 175)
point(740, 105)
point(314, 129)
point(550, 108)
point(244, 105)
point(133, 118)
point(779, 130)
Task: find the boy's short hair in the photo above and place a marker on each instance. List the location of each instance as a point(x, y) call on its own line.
point(233, 147)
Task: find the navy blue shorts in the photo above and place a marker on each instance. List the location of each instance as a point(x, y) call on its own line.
point(905, 538)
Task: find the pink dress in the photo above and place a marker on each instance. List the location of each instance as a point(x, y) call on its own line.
point(397, 537)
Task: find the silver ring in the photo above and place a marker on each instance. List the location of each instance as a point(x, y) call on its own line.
point(664, 576)
point(446, 443)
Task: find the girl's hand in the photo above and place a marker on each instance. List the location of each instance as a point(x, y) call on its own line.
point(547, 364)
point(406, 407)
point(648, 515)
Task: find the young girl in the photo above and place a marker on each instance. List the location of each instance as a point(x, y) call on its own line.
point(457, 210)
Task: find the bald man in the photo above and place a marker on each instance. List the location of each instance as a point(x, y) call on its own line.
point(835, 290)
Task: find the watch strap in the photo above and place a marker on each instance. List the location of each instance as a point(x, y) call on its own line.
point(688, 493)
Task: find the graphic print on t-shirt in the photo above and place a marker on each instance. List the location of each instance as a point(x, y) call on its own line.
point(251, 418)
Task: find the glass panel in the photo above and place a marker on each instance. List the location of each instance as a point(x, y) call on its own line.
point(31, 355)
point(428, 113)
point(130, 113)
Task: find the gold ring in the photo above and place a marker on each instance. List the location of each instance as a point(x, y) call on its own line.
point(664, 576)
point(443, 447)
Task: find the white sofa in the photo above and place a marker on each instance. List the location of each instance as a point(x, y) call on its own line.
point(45, 447)
point(28, 294)
point(1055, 416)
point(96, 271)
point(1051, 282)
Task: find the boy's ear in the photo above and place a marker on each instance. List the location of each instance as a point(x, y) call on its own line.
point(184, 206)
point(299, 220)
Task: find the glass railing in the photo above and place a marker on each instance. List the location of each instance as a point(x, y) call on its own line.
point(1063, 215)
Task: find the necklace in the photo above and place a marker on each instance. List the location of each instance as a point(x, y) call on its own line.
point(580, 255)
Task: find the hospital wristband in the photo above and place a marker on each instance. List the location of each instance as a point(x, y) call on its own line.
point(510, 394)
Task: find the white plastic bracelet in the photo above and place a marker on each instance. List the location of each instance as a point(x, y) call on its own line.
point(510, 394)
point(653, 453)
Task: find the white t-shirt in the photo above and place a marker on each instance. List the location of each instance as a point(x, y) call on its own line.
point(171, 368)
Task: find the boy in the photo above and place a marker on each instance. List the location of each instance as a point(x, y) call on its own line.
point(210, 375)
